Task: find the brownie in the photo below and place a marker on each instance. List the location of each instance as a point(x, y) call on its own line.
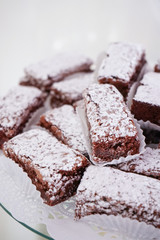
point(54, 168)
point(16, 107)
point(147, 163)
point(70, 90)
point(64, 124)
point(157, 67)
point(112, 131)
point(146, 104)
point(44, 73)
point(122, 65)
point(105, 190)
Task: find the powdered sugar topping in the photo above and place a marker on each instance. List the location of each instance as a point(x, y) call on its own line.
point(58, 64)
point(68, 122)
point(107, 114)
point(149, 90)
point(74, 85)
point(139, 192)
point(121, 61)
point(147, 163)
point(45, 153)
point(15, 104)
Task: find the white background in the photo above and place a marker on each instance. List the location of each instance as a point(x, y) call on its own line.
point(33, 29)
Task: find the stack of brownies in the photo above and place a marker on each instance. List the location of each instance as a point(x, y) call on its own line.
point(54, 152)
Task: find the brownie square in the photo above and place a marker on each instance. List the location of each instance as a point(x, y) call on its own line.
point(64, 124)
point(54, 168)
point(44, 73)
point(112, 131)
point(122, 65)
point(146, 104)
point(16, 108)
point(70, 90)
point(157, 67)
point(147, 163)
point(104, 190)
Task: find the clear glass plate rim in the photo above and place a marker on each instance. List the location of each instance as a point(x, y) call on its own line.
point(25, 225)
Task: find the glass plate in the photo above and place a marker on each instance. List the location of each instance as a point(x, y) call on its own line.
point(42, 232)
point(19, 197)
point(32, 30)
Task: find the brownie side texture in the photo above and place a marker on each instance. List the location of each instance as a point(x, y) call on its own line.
point(53, 167)
point(16, 108)
point(146, 105)
point(104, 190)
point(147, 163)
point(146, 111)
point(112, 131)
point(44, 73)
point(122, 66)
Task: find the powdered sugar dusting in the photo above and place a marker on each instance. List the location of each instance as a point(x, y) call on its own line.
point(113, 192)
point(147, 163)
point(45, 153)
point(15, 105)
point(74, 85)
point(68, 122)
point(57, 65)
point(149, 90)
point(107, 113)
point(121, 61)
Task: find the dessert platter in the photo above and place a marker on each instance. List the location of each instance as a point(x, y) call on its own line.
point(80, 149)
